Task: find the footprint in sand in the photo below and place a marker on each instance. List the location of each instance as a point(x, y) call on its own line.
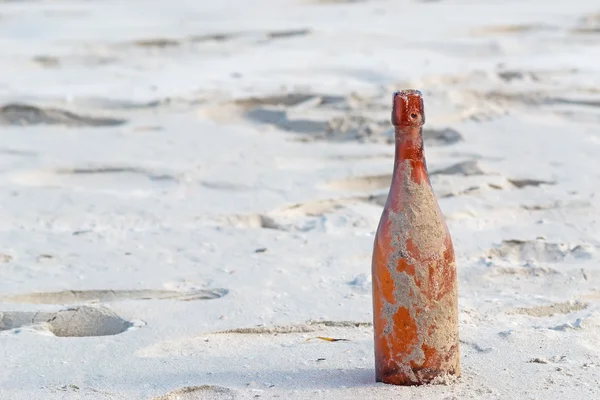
point(274, 110)
point(5, 258)
point(270, 220)
point(72, 322)
point(465, 168)
point(313, 116)
point(383, 181)
point(469, 168)
point(298, 217)
point(589, 24)
point(287, 100)
point(281, 120)
point(361, 183)
point(514, 29)
point(550, 309)
point(557, 204)
point(162, 43)
point(360, 157)
point(529, 271)
point(106, 296)
point(497, 184)
point(521, 183)
point(525, 251)
point(271, 35)
point(324, 117)
point(244, 221)
point(308, 326)
point(441, 137)
point(17, 153)
point(95, 178)
point(46, 61)
point(204, 392)
point(24, 114)
point(191, 344)
point(473, 190)
point(379, 182)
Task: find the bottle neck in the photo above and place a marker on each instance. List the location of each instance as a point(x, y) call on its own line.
point(409, 143)
point(409, 154)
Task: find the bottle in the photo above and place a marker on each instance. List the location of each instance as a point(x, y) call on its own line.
point(415, 302)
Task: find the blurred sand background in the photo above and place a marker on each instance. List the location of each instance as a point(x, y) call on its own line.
point(189, 192)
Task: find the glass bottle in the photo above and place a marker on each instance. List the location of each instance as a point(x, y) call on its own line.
point(415, 310)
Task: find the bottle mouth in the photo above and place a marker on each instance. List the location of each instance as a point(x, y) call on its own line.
point(408, 109)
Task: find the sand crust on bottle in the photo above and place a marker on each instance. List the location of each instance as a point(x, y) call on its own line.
point(420, 243)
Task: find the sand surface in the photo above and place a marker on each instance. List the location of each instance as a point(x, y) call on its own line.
point(189, 192)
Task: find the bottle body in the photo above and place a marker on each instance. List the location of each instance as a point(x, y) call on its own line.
point(415, 310)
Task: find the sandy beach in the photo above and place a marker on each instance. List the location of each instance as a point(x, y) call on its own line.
point(189, 192)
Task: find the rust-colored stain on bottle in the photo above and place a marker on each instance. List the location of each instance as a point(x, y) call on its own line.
point(415, 310)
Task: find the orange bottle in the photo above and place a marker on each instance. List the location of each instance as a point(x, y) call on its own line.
point(415, 309)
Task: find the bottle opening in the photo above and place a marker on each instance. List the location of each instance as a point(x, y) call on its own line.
point(407, 108)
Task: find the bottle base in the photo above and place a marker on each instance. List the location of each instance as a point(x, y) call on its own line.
point(419, 377)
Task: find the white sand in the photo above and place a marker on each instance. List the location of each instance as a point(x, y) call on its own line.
point(216, 223)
